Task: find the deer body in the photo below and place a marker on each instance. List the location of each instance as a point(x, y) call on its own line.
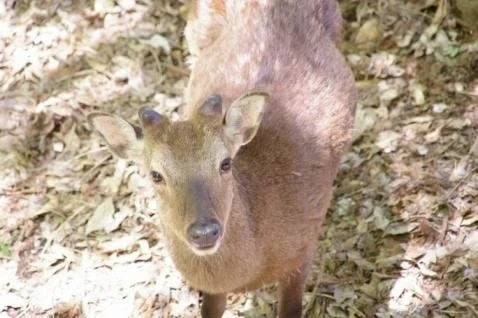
point(245, 178)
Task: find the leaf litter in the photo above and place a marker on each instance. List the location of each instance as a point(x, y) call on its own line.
point(79, 231)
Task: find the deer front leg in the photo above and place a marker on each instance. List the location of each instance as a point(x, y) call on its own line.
point(291, 289)
point(213, 305)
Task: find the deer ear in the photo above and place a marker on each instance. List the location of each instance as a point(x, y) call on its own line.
point(124, 139)
point(243, 118)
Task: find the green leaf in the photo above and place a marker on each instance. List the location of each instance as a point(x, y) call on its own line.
point(452, 50)
point(4, 249)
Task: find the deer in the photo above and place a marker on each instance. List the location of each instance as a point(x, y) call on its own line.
point(244, 177)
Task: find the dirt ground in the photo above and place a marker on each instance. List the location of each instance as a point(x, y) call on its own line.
point(79, 236)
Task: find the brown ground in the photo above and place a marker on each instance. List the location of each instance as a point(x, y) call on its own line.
point(77, 239)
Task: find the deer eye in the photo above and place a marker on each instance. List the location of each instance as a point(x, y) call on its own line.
point(157, 177)
point(226, 165)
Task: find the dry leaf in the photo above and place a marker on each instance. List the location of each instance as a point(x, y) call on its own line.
point(401, 228)
point(387, 140)
point(102, 217)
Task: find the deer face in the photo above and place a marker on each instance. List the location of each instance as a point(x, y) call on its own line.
point(190, 162)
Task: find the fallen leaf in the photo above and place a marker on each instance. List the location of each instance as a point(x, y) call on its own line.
point(380, 218)
point(401, 228)
point(159, 42)
point(11, 300)
point(387, 140)
point(102, 217)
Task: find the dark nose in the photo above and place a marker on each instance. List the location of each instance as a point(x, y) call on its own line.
point(204, 234)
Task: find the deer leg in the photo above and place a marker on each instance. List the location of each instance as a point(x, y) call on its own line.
point(213, 305)
point(291, 288)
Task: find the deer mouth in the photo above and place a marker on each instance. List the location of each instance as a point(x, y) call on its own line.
point(205, 250)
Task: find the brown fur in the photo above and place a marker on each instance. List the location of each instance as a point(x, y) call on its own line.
point(273, 204)
point(284, 176)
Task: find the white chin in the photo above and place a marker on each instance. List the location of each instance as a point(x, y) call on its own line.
point(206, 251)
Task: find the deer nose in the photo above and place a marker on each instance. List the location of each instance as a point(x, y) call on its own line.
point(204, 234)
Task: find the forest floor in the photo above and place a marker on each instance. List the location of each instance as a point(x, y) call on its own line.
point(78, 233)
